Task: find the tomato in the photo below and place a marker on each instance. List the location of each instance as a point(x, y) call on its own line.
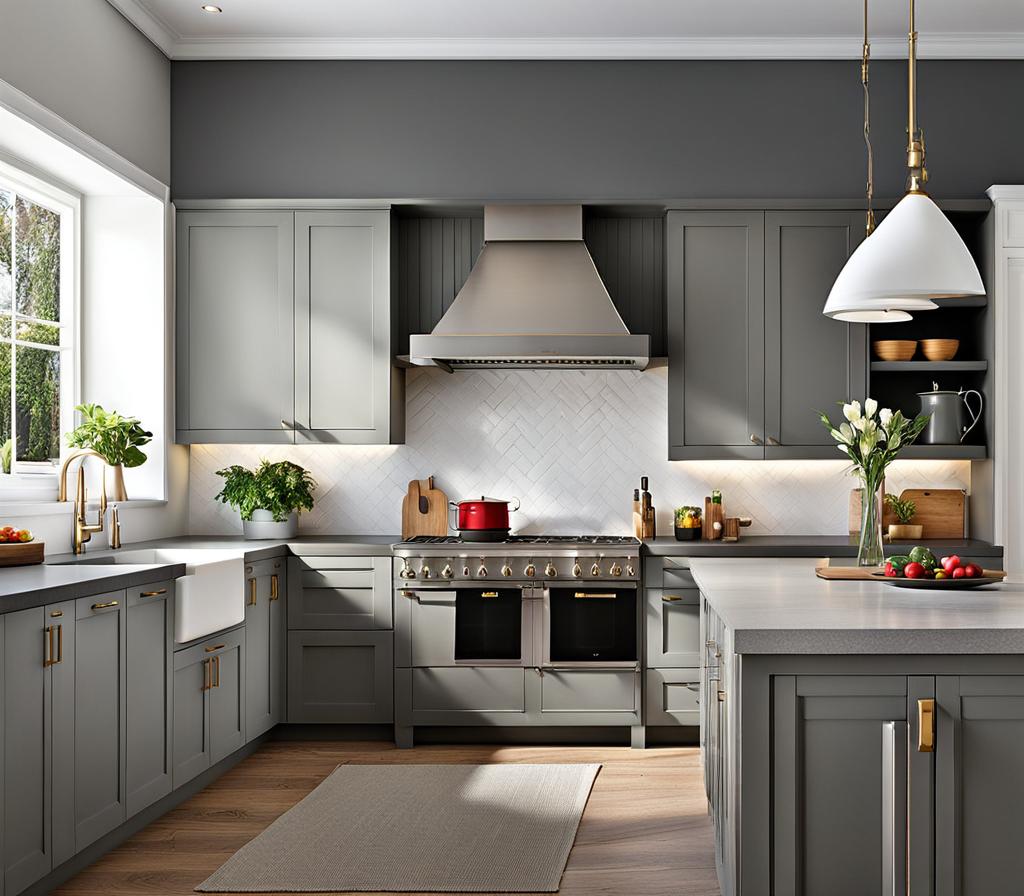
point(960, 573)
point(950, 563)
point(914, 570)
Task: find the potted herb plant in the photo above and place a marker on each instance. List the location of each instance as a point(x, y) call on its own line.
point(268, 498)
point(115, 438)
point(904, 512)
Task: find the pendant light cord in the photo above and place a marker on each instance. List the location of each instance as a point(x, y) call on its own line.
point(869, 224)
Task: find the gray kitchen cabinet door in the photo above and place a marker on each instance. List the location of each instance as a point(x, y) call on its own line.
point(149, 712)
point(100, 731)
point(979, 785)
point(672, 697)
point(264, 646)
point(715, 335)
point(673, 627)
point(345, 383)
point(235, 370)
point(226, 696)
point(466, 695)
point(339, 593)
point(811, 361)
point(191, 723)
point(341, 677)
point(839, 812)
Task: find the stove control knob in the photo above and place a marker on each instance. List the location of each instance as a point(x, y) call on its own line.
point(530, 571)
point(425, 572)
point(407, 572)
point(577, 570)
point(506, 571)
point(482, 572)
point(465, 571)
point(616, 570)
point(595, 570)
point(630, 569)
point(447, 571)
point(550, 570)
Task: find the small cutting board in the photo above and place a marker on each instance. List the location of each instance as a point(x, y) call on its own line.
point(941, 511)
point(424, 510)
point(866, 573)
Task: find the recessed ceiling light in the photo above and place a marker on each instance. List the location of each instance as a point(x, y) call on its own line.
point(209, 7)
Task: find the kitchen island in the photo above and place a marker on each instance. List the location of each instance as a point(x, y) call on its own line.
point(860, 738)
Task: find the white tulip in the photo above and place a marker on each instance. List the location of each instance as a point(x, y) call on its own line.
point(851, 411)
point(860, 424)
point(847, 431)
point(885, 416)
point(870, 406)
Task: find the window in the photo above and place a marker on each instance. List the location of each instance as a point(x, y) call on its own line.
point(37, 289)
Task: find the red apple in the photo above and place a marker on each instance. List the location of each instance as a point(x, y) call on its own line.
point(960, 573)
point(914, 571)
point(950, 563)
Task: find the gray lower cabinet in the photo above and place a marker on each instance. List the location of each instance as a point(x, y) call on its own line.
point(672, 644)
point(38, 742)
point(100, 732)
point(745, 294)
point(149, 713)
point(673, 627)
point(265, 644)
point(235, 355)
point(339, 593)
point(209, 703)
point(673, 697)
point(341, 676)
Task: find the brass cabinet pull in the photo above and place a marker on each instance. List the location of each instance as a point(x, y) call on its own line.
point(755, 439)
point(670, 598)
point(216, 668)
point(105, 606)
point(274, 587)
point(206, 675)
point(252, 592)
point(215, 647)
point(925, 725)
point(156, 593)
point(595, 595)
point(56, 614)
point(48, 646)
point(488, 593)
point(248, 570)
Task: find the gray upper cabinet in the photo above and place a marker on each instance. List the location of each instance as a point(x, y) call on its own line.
point(344, 380)
point(235, 291)
point(715, 334)
point(811, 361)
point(752, 360)
point(150, 655)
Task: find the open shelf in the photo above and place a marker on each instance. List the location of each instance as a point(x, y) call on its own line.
point(925, 366)
point(944, 452)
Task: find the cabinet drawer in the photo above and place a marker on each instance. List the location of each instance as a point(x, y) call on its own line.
point(340, 677)
point(339, 593)
point(468, 690)
point(585, 691)
point(673, 627)
point(673, 697)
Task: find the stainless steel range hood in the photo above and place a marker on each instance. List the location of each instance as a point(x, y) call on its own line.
point(533, 299)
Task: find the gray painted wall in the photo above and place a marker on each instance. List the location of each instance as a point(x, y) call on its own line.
point(83, 60)
point(584, 130)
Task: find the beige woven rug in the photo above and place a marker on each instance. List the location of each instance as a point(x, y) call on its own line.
point(419, 828)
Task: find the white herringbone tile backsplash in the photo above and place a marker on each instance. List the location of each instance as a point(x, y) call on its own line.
point(572, 445)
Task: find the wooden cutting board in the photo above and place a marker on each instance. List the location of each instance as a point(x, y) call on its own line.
point(424, 510)
point(941, 511)
point(860, 573)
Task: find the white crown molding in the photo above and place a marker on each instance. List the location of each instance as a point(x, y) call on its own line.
point(1005, 192)
point(1008, 45)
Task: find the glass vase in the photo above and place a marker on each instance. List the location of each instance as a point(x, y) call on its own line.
point(870, 550)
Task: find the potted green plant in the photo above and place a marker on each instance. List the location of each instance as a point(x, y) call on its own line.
point(115, 438)
point(904, 512)
point(268, 498)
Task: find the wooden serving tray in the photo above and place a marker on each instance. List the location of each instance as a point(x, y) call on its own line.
point(24, 553)
point(866, 573)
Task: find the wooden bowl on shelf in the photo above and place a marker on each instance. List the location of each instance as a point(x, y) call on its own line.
point(895, 349)
point(940, 349)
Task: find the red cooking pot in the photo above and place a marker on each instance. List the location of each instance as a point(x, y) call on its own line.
point(482, 518)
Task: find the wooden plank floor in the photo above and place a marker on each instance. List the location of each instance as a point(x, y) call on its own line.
point(645, 831)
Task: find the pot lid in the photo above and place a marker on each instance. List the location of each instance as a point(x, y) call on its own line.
point(485, 500)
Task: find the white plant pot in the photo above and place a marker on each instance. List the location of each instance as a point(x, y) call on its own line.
point(262, 526)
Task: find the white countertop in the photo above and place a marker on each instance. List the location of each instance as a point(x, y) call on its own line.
point(780, 606)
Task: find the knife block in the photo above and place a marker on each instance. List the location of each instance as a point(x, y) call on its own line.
point(713, 513)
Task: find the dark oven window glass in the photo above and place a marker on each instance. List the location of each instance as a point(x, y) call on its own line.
point(488, 624)
point(593, 625)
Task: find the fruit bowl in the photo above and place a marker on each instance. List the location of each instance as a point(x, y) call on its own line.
point(941, 584)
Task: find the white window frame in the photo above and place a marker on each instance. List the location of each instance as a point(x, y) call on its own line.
point(26, 483)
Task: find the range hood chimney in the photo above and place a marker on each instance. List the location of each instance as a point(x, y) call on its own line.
point(533, 299)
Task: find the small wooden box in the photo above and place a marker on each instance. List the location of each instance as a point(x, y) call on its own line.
point(22, 553)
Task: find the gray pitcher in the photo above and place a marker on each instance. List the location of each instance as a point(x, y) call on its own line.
point(946, 425)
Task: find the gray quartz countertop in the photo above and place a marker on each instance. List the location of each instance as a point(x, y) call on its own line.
point(805, 546)
point(779, 606)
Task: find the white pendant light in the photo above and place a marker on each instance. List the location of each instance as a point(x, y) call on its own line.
point(915, 254)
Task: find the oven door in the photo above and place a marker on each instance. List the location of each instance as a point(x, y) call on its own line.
point(485, 625)
point(591, 625)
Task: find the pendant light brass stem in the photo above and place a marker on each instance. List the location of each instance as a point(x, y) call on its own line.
point(918, 176)
point(865, 60)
